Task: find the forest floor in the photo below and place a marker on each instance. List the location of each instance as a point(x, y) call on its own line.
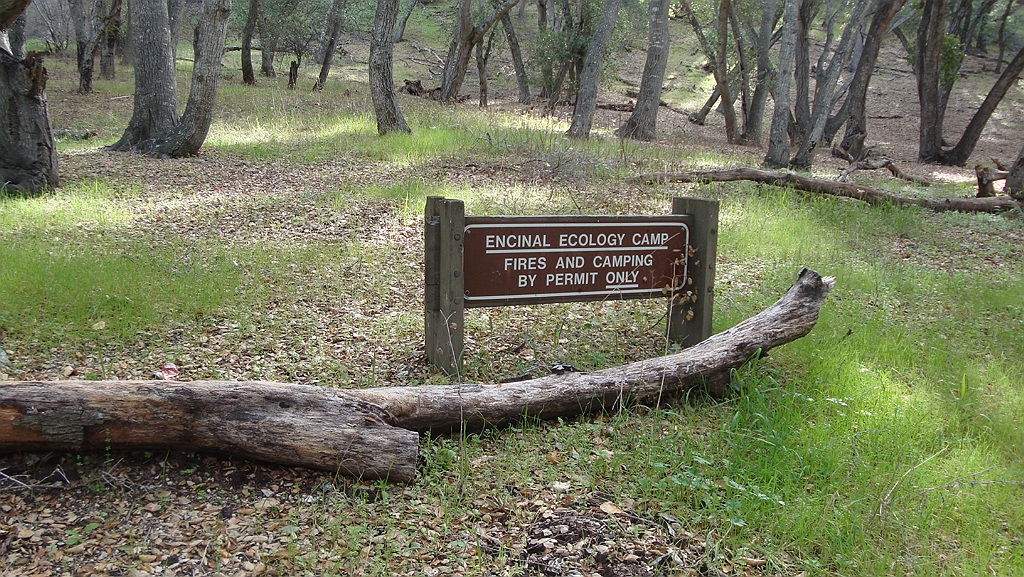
point(331, 277)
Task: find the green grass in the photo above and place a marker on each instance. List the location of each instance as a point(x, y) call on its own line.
point(886, 442)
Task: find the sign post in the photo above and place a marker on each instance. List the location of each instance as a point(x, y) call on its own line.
point(513, 260)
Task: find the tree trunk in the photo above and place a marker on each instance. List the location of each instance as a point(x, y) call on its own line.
point(826, 84)
point(866, 194)
point(753, 126)
point(155, 109)
point(296, 425)
point(403, 20)
point(801, 124)
point(777, 155)
point(721, 71)
point(483, 54)
point(928, 54)
point(382, 83)
point(642, 123)
point(586, 96)
point(28, 158)
point(111, 38)
point(334, 29)
point(248, 76)
point(175, 11)
point(856, 112)
point(88, 29)
point(517, 59)
point(1001, 37)
point(16, 37)
point(191, 130)
point(460, 51)
point(959, 154)
point(155, 127)
point(1015, 180)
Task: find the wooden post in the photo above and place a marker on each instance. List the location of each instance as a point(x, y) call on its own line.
point(444, 227)
point(684, 328)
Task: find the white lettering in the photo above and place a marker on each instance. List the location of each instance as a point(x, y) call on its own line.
point(526, 280)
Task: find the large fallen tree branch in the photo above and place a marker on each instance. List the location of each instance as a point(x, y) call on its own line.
point(289, 424)
point(707, 364)
point(849, 190)
point(368, 433)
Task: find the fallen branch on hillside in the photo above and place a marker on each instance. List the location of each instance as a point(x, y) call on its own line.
point(706, 365)
point(875, 161)
point(368, 433)
point(827, 187)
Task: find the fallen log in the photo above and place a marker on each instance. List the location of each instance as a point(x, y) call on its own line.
point(707, 364)
point(299, 425)
point(860, 192)
point(369, 433)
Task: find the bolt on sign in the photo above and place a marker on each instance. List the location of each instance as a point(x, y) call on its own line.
point(487, 261)
point(530, 260)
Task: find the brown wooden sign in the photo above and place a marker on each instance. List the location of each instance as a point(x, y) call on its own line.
point(528, 260)
point(481, 261)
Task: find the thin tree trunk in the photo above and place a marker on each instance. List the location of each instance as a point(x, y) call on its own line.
point(856, 113)
point(403, 20)
point(517, 58)
point(765, 76)
point(959, 154)
point(382, 84)
point(928, 54)
point(111, 37)
point(330, 47)
point(777, 155)
point(642, 123)
point(175, 11)
point(191, 130)
point(721, 71)
point(248, 76)
point(460, 51)
point(1010, 5)
point(586, 96)
point(483, 54)
point(825, 87)
point(801, 125)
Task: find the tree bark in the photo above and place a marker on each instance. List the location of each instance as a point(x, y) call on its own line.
point(586, 96)
point(642, 123)
point(155, 109)
point(155, 127)
point(28, 158)
point(867, 194)
point(11, 10)
point(248, 76)
point(762, 43)
point(194, 124)
point(517, 59)
point(1015, 180)
point(110, 38)
point(296, 425)
point(777, 155)
point(460, 51)
point(382, 84)
point(403, 20)
point(334, 29)
point(958, 155)
point(856, 112)
point(721, 71)
point(930, 34)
